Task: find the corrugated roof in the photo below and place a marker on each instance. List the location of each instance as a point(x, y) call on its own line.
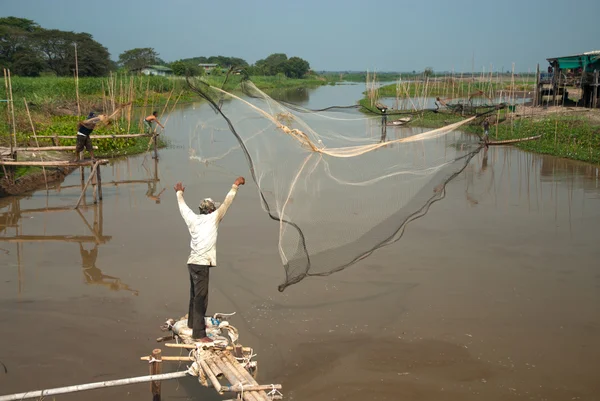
point(590, 53)
point(159, 67)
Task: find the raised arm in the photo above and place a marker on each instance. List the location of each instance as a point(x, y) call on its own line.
point(229, 198)
point(185, 211)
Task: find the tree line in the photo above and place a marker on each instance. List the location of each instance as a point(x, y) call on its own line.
point(29, 50)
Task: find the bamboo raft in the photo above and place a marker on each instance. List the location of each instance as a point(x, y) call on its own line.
point(224, 359)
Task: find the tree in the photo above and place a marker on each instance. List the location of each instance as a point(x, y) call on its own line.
point(136, 59)
point(428, 72)
point(182, 68)
point(272, 65)
point(15, 35)
point(295, 67)
point(57, 49)
point(27, 63)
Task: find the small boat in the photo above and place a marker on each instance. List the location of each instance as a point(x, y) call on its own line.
point(510, 141)
point(400, 121)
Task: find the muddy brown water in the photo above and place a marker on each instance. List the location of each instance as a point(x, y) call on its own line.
point(494, 294)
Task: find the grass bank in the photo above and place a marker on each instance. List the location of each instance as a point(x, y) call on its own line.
point(574, 137)
point(54, 105)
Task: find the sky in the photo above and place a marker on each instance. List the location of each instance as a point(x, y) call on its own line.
point(397, 35)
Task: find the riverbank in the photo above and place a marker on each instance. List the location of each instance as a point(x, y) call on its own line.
point(52, 106)
point(569, 132)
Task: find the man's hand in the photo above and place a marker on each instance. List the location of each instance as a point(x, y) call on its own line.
point(179, 187)
point(239, 181)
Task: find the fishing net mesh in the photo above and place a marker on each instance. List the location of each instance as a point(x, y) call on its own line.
point(339, 185)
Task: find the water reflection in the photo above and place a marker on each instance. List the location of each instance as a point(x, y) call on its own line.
point(506, 176)
point(93, 275)
point(17, 222)
point(12, 218)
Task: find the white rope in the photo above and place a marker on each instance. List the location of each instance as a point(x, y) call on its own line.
point(152, 359)
point(273, 392)
point(223, 314)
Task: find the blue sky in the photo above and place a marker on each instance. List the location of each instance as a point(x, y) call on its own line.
point(335, 35)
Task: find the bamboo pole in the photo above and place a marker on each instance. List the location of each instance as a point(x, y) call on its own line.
point(99, 182)
point(86, 184)
point(211, 376)
point(47, 148)
point(155, 369)
point(234, 377)
point(243, 372)
point(54, 238)
point(92, 386)
point(259, 387)
point(169, 358)
point(8, 112)
point(77, 81)
point(36, 141)
point(103, 136)
point(60, 163)
point(12, 108)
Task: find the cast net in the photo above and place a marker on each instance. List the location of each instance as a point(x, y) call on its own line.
point(338, 184)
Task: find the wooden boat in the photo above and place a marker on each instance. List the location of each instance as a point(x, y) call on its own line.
point(511, 141)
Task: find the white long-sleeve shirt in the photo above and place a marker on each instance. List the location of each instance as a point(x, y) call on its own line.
point(203, 229)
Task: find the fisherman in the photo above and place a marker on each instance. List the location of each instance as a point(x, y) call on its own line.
point(84, 130)
point(148, 122)
point(486, 130)
point(203, 231)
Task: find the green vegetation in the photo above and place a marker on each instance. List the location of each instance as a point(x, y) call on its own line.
point(453, 88)
point(572, 137)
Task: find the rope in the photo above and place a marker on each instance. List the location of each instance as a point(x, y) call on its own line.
point(273, 392)
point(152, 359)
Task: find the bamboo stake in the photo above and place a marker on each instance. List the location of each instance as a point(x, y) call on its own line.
point(155, 369)
point(77, 81)
point(8, 113)
point(36, 141)
point(92, 386)
point(12, 108)
point(86, 184)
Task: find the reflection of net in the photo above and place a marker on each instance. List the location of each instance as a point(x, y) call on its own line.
point(338, 188)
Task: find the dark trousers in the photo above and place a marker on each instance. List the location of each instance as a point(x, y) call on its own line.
point(198, 299)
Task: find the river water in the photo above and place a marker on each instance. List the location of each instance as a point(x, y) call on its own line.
point(494, 294)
